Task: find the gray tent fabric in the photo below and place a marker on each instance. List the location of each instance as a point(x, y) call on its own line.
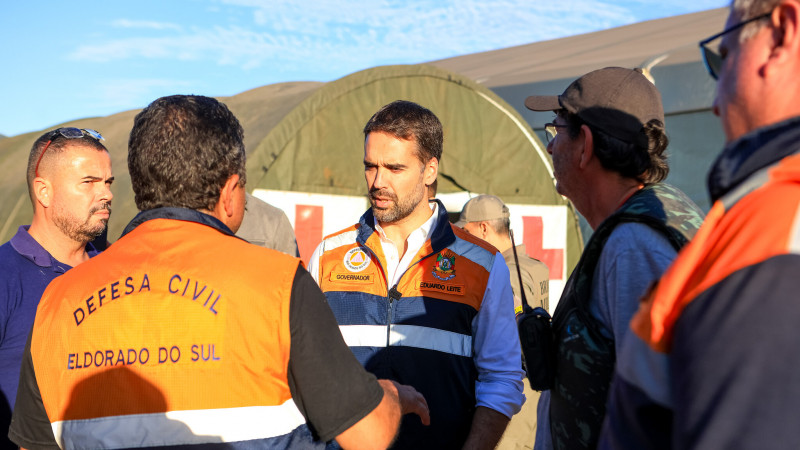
point(668, 47)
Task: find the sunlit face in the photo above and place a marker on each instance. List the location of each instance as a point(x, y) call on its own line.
point(396, 178)
point(81, 188)
point(561, 148)
point(737, 103)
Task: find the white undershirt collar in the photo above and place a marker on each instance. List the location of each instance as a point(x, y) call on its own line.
point(394, 265)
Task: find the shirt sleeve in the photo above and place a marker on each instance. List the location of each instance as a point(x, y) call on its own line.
point(634, 256)
point(285, 240)
point(328, 384)
point(30, 427)
point(544, 440)
point(498, 357)
point(313, 262)
point(639, 397)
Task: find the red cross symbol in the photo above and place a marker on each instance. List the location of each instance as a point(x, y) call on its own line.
point(307, 229)
point(533, 238)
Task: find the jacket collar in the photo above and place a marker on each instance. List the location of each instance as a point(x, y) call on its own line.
point(753, 151)
point(173, 213)
point(441, 236)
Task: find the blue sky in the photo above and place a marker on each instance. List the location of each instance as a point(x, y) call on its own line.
point(68, 60)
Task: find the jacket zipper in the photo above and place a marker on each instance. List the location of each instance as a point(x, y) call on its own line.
point(393, 294)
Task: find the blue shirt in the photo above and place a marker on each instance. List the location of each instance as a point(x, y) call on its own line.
point(26, 269)
point(633, 257)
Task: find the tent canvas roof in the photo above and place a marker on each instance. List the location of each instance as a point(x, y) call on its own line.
point(570, 57)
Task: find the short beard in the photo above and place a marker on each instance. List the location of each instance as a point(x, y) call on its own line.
point(78, 231)
point(400, 209)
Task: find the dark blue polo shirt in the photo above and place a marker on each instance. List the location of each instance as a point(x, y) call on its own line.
point(26, 269)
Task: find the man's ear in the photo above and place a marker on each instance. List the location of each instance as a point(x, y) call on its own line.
point(226, 196)
point(431, 171)
point(587, 151)
point(484, 226)
point(785, 20)
point(43, 191)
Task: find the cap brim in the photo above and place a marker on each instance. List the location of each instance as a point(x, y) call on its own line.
point(543, 103)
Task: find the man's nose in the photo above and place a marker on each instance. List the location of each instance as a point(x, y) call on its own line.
point(106, 193)
point(380, 178)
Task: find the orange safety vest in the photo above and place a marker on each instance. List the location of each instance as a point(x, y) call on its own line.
point(178, 334)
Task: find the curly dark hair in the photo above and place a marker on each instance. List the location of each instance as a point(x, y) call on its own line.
point(648, 165)
point(181, 150)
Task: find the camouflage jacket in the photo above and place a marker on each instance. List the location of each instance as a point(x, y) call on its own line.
point(584, 356)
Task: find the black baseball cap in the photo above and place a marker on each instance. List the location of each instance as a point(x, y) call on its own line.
point(615, 100)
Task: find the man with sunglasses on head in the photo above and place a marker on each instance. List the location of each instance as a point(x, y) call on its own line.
point(726, 313)
point(608, 142)
point(69, 179)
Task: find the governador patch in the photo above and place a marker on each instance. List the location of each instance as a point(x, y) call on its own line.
point(352, 277)
point(356, 260)
point(445, 267)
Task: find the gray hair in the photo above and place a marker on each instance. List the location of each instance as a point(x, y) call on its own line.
point(747, 9)
point(500, 226)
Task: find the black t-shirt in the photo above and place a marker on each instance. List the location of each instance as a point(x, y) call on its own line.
point(329, 386)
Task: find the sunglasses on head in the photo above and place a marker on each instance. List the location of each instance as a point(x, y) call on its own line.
point(67, 133)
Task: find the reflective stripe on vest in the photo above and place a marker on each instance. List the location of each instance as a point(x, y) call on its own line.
point(407, 336)
point(180, 427)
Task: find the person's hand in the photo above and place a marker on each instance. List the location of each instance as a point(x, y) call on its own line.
point(412, 402)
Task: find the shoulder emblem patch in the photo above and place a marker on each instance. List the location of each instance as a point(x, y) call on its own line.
point(356, 260)
point(445, 267)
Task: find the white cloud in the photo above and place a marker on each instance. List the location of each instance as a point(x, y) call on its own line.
point(125, 23)
point(121, 94)
point(337, 36)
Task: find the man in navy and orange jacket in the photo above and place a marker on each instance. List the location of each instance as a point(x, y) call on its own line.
point(420, 301)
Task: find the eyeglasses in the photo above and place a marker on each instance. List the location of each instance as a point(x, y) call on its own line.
point(711, 56)
point(69, 133)
point(551, 130)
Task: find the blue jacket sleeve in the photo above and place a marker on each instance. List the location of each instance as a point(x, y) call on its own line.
point(496, 345)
